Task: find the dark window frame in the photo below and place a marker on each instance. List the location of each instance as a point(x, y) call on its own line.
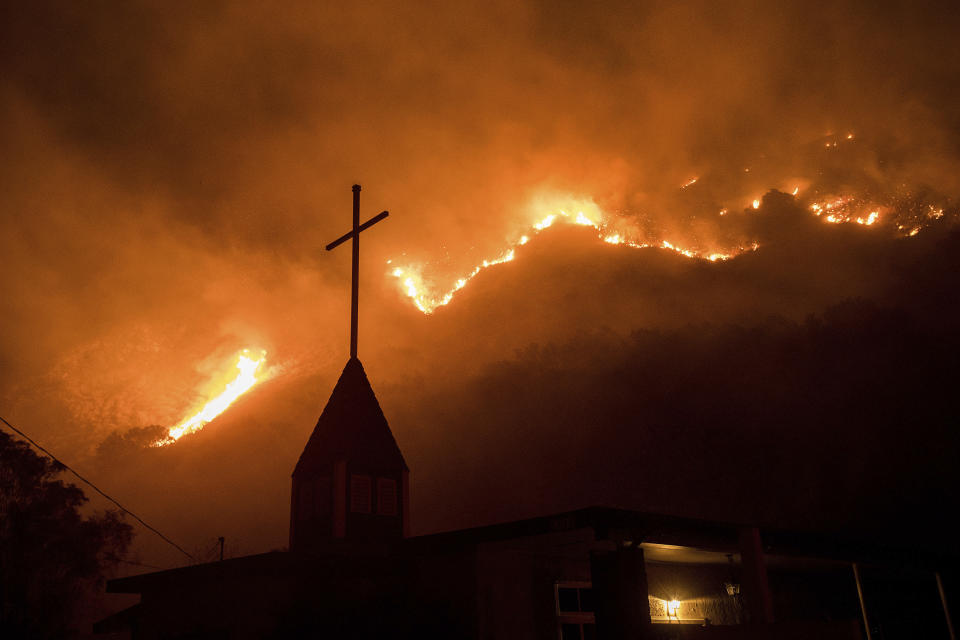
point(357, 480)
point(579, 617)
point(393, 505)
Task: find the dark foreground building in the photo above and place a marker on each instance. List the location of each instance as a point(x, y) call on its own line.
point(352, 570)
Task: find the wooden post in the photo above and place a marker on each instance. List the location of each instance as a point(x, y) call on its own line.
point(756, 586)
point(619, 580)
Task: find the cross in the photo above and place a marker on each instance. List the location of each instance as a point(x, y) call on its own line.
point(354, 234)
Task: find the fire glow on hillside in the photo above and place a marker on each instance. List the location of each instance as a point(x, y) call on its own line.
point(427, 296)
point(234, 389)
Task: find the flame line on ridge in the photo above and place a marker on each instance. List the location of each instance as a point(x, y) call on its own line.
point(416, 289)
point(839, 210)
point(242, 383)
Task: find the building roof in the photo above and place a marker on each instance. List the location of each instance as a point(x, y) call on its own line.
point(606, 522)
point(337, 558)
point(664, 537)
point(352, 427)
point(671, 532)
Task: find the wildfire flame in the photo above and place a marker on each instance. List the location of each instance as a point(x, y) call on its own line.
point(837, 209)
point(846, 209)
point(238, 386)
point(427, 299)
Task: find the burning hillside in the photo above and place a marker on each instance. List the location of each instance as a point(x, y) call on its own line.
point(248, 368)
point(901, 211)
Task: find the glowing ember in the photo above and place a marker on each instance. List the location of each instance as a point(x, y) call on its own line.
point(756, 204)
point(689, 182)
point(240, 385)
point(836, 209)
point(847, 209)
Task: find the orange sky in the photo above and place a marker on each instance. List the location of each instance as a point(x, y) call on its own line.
point(171, 175)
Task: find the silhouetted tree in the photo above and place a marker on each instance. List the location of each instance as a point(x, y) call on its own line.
point(51, 556)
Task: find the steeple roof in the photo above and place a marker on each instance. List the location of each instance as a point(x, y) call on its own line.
point(352, 427)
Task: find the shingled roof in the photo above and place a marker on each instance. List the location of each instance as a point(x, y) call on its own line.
point(352, 427)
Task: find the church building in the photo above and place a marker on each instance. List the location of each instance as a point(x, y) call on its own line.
point(352, 569)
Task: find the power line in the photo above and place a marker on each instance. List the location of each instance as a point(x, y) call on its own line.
point(97, 489)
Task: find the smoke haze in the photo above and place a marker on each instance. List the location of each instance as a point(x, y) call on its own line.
point(172, 174)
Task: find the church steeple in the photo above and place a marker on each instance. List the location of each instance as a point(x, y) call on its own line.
point(351, 480)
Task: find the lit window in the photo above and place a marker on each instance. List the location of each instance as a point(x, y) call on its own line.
point(360, 494)
point(676, 611)
point(673, 608)
point(386, 496)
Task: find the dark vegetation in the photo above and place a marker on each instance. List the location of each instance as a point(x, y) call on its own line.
point(52, 556)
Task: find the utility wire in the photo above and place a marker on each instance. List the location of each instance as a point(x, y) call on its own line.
point(97, 489)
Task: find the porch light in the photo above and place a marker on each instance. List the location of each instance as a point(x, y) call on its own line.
point(673, 609)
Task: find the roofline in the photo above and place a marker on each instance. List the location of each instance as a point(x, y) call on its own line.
point(134, 584)
point(608, 523)
point(708, 535)
point(264, 563)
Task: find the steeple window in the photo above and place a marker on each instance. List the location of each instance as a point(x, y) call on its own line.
point(386, 497)
point(360, 490)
